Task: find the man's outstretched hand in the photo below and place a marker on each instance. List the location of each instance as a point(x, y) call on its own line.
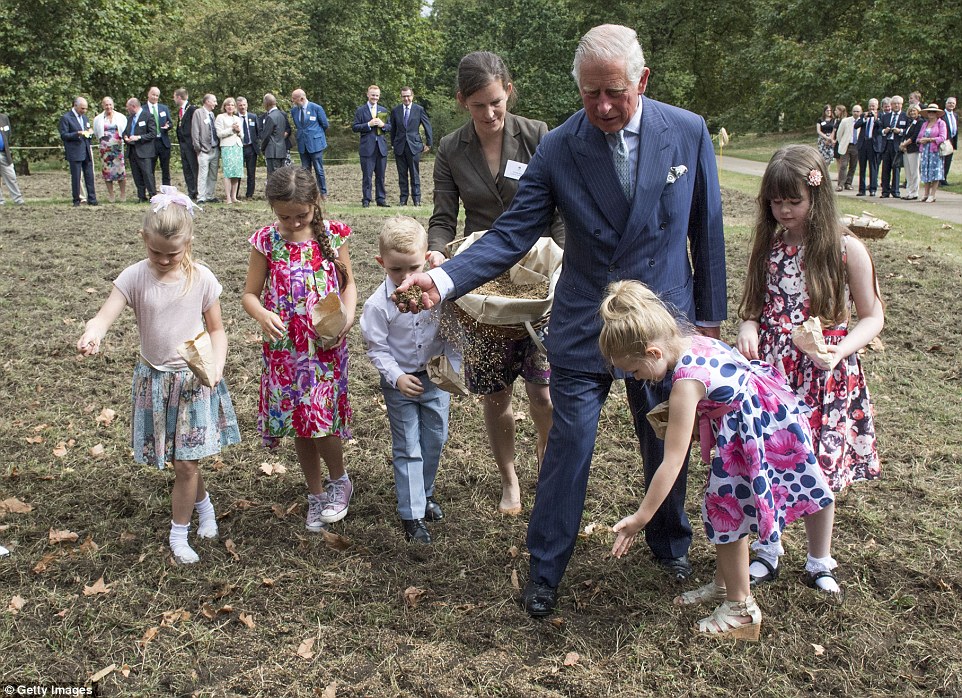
point(407, 298)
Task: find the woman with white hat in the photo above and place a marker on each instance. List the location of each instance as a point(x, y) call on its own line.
point(932, 134)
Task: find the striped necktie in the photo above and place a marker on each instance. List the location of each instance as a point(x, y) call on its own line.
point(622, 161)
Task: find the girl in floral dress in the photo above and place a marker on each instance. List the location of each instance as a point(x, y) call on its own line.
point(804, 264)
point(763, 474)
point(295, 263)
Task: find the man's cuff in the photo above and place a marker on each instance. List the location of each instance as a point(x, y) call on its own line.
point(707, 323)
point(442, 282)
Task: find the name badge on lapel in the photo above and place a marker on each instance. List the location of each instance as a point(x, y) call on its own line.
point(163, 113)
point(5, 128)
point(514, 169)
point(141, 123)
point(312, 118)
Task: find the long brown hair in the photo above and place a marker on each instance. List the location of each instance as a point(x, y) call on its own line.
point(790, 172)
point(296, 185)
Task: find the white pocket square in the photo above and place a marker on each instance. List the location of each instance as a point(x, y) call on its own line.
point(676, 172)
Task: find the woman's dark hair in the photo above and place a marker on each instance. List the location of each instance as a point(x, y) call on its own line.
point(477, 70)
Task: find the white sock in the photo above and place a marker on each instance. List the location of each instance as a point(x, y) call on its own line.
point(182, 551)
point(770, 554)
point(814, 565)
point(207, 527)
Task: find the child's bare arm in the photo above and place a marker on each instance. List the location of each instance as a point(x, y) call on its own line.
point(97, 326)
point(348, 293)
point(218, 339)
point(251, 299)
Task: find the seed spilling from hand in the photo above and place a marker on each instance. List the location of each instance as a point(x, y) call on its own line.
point(412, 294)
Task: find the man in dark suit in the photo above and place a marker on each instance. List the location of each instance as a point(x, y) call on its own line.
point(75, 132)
point(655, 217)
point(188, 158)
point(250, 135)
point(369, 121)
point(870, 146)
point(8, 174)
point(312, 125)
point(951, 119)
point(140, 136)
point(161, 116)
point(274, 132)
point(407, 118)
point(894, 124)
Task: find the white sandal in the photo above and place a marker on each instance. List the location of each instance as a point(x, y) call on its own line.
point(709, 593)
point(727, 620)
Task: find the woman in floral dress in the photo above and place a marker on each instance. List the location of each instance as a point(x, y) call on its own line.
point(109, 126)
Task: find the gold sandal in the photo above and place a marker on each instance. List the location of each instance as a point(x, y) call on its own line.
point(726, 620)
point(709, 593)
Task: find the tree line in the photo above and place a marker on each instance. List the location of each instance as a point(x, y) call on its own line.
point(746, 66)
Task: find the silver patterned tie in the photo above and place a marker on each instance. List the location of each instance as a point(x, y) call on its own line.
point(622, 162)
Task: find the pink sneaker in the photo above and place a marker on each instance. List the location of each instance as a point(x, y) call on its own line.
point(338, 497)
point(315, 505)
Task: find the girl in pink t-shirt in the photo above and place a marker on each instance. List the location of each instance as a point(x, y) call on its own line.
point(176, 418)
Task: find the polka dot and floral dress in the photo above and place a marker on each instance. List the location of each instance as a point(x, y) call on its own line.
point(763, 473)
point(842, 418)
point(303, 388)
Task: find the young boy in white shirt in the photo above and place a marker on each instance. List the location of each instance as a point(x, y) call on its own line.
point(400, 346)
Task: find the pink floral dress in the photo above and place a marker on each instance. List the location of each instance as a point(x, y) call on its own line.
point(842, 418)
point(303, 386)
point(763, 473)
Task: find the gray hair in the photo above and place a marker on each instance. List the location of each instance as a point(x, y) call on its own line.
point(610, 42)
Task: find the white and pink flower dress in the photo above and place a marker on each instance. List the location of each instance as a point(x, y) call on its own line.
point(763, 473)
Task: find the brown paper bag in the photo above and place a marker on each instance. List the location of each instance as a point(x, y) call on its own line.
point(199, 355)
point(809, 339)
point(443, 375)
point(658, 419)
point(328, 317)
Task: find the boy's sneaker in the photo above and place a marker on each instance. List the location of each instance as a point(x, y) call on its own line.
point(315, 505)
point(338, 497)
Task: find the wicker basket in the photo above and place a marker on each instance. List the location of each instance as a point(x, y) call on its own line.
point(866, 225)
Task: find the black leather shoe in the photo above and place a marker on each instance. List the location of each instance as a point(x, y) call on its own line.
point(861, 193)
point(403, 202)
point(538, 600)
point(432, 510)
point(677, 567)
point(384, 204)
point(414, 529)
point(884, 196)
point(417, 202)
point(365, 204)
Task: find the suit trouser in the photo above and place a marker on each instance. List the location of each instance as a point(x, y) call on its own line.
point(315, 162)
point(188, 163)
point(419, 428)
point(375, 164)
point(274, 164)
point(250, 165)
point(890, 174)
point(8, 174)
point(946, 164)
point(847, 164)
point(563, 480)
point(143, 170)
point(408, 167)
point(207, 174)
point(163, 154)
point(867, 158)
point(911, 163)
point(86, 168)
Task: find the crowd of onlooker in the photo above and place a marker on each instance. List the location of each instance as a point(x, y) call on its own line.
point(910, 148)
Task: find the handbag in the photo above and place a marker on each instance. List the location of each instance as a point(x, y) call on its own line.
point(945, 148)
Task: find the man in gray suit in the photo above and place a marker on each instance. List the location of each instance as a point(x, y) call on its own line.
point(273, 134)
point(207, 146)
point(7, 172)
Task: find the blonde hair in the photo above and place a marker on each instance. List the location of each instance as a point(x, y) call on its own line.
point(228, 100)
point(633, 317)
point(402, 234)
point(174, 221)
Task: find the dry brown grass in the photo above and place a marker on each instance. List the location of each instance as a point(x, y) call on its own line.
point(897, 632)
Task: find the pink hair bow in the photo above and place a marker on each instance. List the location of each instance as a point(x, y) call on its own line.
point(170, 195)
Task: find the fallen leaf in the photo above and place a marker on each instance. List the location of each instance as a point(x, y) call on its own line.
point(45, 561)
point(88, 546)
point(412, 596)
point(571, 659)
point(932, 349)
point(246, 619)
point(61, 614)
point(876, 345)
point(106, 416)
point(513, 551)
point(69, 320)
point(90, 290)
point(232, 549)
point(127, 536)
point(125, 670)
point(208, 612)
point(242, 504)
point(279, 510)
point(35, 439)
point(558, 622)
point(148, 636)
point(590, 528)
point(330, 691)
point(170, 617)
point(336, 541)
point(61, 450)
point(97, 451)
point(304, 650)
point(102, 673)
point(267, 582)
point(12, 505)
point(223, 590)
point(273, 469)
point(819, 650)
point(97, 587)
point(16, 603)
point(520, 416)
point(40, 427)
point(89, 408)
point(225, 609)
point(61, 537)
point(514, 580)
point(218, 464)
point(71, 442)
